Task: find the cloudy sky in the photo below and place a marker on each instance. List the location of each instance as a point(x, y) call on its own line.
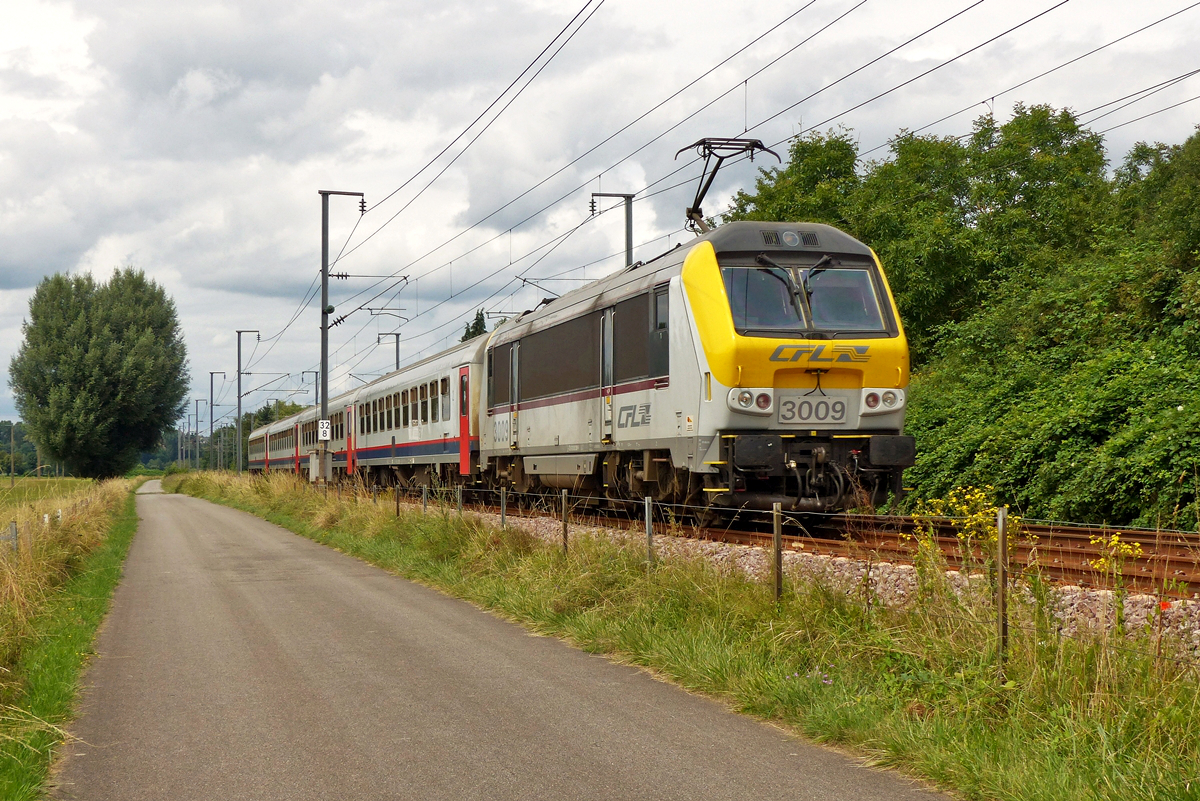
point(190, 141)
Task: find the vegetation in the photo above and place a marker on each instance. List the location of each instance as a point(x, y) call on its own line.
point(916, 688)
point(24, 452)
point(53, 594)
point(102, 370)
point(476, 327)
point(29, 489)
point(1053, 308)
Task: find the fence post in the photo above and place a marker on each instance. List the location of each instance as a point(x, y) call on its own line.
point(12, 535)
point(458, 498)
point(424, 498)
point(374, 494)
point(1002, 585)
point(649, 531)
point(397, 499)
point(777, 548)
point(503, 506)
point(564, 519)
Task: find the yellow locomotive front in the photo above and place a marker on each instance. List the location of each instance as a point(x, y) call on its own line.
point(805, 367)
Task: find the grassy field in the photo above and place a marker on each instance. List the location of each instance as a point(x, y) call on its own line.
point(28, 489)
point(916, 688)
point(54, 592)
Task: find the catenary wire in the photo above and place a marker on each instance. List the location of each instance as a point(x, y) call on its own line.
point(483, 113)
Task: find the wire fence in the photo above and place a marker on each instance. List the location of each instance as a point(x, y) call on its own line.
point(983, 592)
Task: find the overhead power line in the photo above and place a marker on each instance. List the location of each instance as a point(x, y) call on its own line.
point(876, 97)
point(481, 132)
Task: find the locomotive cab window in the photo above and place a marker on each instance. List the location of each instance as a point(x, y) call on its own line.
point(781, 298)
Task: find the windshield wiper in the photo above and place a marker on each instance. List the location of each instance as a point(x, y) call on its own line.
point(793, 279)
point(816, 270)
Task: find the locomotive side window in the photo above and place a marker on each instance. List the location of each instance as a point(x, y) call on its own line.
point(631, 338)
point(660, 350)
point(562, 358)
point(499, 378)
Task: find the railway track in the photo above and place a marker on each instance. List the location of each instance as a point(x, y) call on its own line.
point(1165, 562)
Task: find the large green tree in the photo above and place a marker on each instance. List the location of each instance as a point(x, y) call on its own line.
point(102, 371)
point(1053, 309)
point(476, 327)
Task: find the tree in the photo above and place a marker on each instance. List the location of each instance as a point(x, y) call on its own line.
point(475, 327)
point(102, 370)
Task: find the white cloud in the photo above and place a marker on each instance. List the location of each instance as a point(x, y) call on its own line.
point(190, 140)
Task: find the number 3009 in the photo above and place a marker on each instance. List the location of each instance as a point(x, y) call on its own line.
point(797, 410)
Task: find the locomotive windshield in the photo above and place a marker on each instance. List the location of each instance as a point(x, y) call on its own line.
point(827, 298)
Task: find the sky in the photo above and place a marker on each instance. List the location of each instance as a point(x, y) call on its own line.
point(190, 141)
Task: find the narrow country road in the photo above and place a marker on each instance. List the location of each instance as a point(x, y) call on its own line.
point(243, 662)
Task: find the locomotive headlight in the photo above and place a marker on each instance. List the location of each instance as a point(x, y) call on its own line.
point(745, 398)
point(881, 400)
point(763, 401)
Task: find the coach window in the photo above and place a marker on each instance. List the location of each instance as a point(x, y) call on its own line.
point(433, 401)
point(424, 404)
point(395, 410)
point(660, 351)
point(412, 399)
point(445, 398)
point(362, 422)
point(404, 407)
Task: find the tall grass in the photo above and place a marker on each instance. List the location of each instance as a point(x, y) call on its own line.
point(54, 591)
point(45, 555)
point(1093, 716)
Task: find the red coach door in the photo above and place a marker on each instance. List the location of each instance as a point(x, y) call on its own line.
point(464, 421)
point(351, 436)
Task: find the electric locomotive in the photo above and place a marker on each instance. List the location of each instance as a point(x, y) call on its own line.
point(760, 363)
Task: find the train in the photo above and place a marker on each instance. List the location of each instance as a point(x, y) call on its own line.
point(760, 363)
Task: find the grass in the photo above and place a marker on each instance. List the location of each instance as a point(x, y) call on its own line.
point(1088, 717)
point(53, 596)
point(29, 488)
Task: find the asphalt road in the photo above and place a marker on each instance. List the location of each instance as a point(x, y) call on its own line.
point(243, 662)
